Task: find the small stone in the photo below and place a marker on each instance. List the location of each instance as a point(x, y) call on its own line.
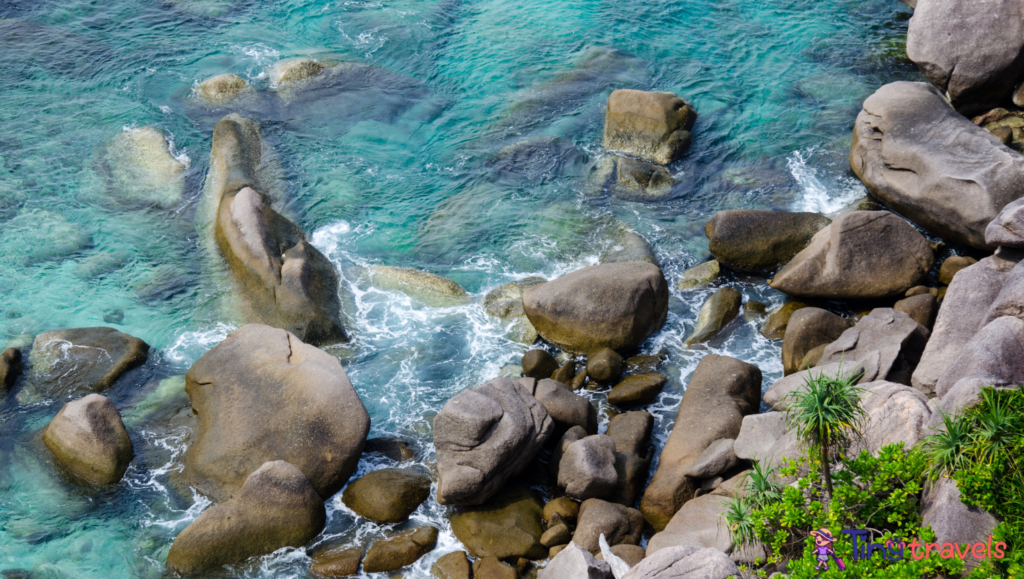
point(387, 495)
point(755, 307)
point(400, 550)
point(579, 380)
point(492, 568)
point(88, 439)
point(564, 507)
point(699, 276)
point(720, 309)
point(921, 308)
point(952, 265)
point(637, 390)
point(392, 447)
point(565, 373)
point(642, 364)
point(604, 365)
point(775, 326)
point(452, 566)
point(554, 551)
point(337, 562)
point(539, 364)
point(556, 535)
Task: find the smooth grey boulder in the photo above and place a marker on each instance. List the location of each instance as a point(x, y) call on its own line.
point(572, 435)
point(613, 305)
point(587, 468)
point(843, 261)
point(276, 507)
point(685, 562)
point(263, 395)
point(950, 519)
point(921, 158)
point(88, 439)
point(618, 523)
point(80, 360)
point(718, 458)
point(1007, 229)
point(566, 408)
point(993, 357)
point(575, 562)
point(701, 523)
point(766, 438)
point(721, 392)
point(968, 299)
point(894, 413)
point(759, 240)
point(883, 345)
point(972, 52)
point(484, 436)
point(631, 432)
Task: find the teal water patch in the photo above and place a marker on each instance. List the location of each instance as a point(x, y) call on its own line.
point(468, 146)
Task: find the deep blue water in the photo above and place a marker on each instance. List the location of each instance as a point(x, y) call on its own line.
point(403, 170)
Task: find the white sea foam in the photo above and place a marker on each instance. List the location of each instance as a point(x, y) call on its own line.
point(825, 194)
point(189, 346)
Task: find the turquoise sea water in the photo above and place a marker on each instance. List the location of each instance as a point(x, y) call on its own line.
point(402, 170)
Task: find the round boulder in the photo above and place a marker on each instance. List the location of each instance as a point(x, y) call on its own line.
point(612, 305)
point(88, 439)
point(538, 364)
point(587, 468)
point(222, 89)
point(276, 507)
point(261, 395)
point(952, 265)
point(604, 365)
point(756, 240)
point(387, 495)
point(843, 260)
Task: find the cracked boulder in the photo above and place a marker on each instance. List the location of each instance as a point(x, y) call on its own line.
point(264, 395)
point(924, 160)
point(484, 436)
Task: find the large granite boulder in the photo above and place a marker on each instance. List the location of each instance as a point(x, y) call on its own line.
point(575, 562)
point(587, 468)
point(765, 438)
point(808, 332)
point(508, 527)
point(631, 432)
point(628, 245)
point(139, 169)
point(276, 507)
point(399, 550)
point(1006, 230)
point(282, 279)
point(758, 240)
point(684, 562)
point(894, 413)
point(701, 523)
point(921, 158)
point(618, 523)
point(721, 392)
point(81, 360)
point(950, 519)
point(963, 311)
point(263, 395)
point(974, 53)
point(651, 125)
point(993, 357)
point(613, 305)
point(484, 436)
point(388, 495)
point(883, 345)
point(718, 458)
point(843, 261)
point(88, 439)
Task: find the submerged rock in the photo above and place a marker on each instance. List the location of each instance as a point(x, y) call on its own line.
point(262, 394)
point(699, 276)
point(388, 495)
point(614, 305)
point(429, 288)
point(973, 55)
point(633, 179)
point(37, 236)
point(276, 507)
point(843, 261)
point(651, 125)
point(721, 392)
point(294, 70)
point(400, 550)
point(505, 302)
point(754, 240)
point(720, 309)
point(88, 439)
point(484, 436)
point(507, 527)
point(222, 89)
point(81, 360)
point(10, 368)
point(921, 158)
point(139, 169)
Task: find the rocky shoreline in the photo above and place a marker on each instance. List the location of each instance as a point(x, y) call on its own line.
point(279, 428)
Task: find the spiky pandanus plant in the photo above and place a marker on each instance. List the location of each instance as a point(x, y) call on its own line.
point(826, 415)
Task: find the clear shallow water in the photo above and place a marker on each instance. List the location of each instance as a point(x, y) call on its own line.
point(403, 171)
